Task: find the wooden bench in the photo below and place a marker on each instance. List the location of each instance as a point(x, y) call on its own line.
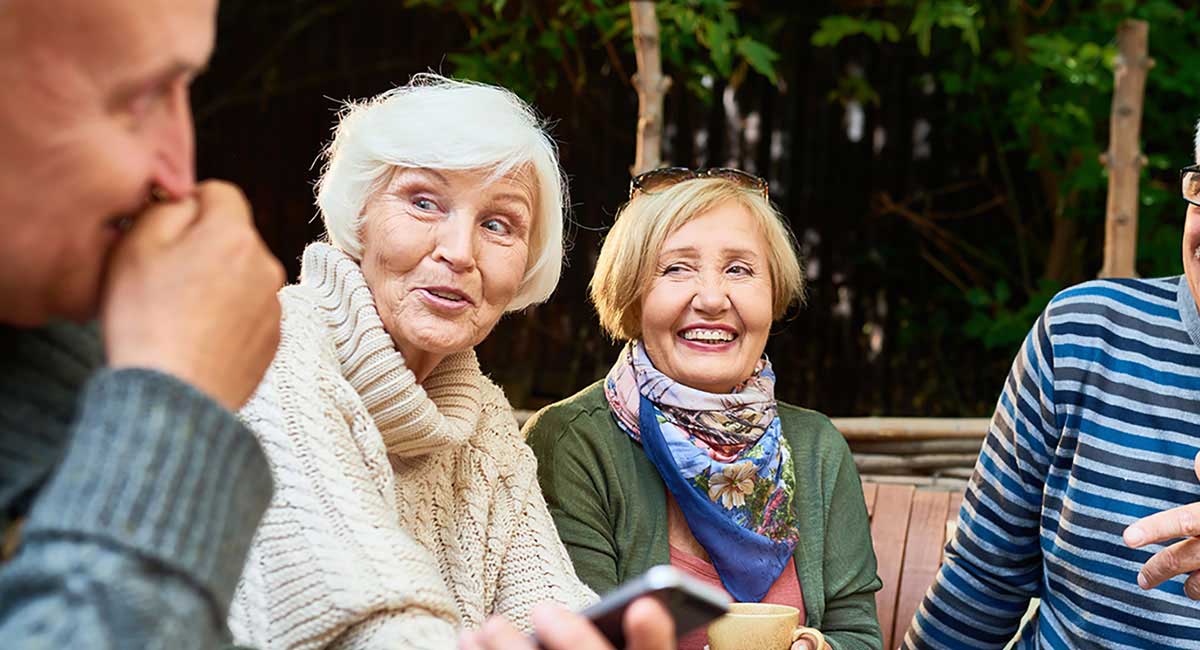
point(908, 528)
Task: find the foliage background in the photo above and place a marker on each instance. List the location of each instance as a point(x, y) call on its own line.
point(938, 159)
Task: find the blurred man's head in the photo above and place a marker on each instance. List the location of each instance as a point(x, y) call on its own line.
point(1191, 239)
point(94, 114)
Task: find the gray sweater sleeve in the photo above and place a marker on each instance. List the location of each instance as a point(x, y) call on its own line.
point(138, 537)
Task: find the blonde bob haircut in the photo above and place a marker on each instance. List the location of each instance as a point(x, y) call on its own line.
point(629, 256)
point(445, 124)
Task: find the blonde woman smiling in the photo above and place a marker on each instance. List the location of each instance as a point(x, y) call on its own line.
point(681, 454)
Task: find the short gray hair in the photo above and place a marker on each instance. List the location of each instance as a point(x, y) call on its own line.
point(439, 123)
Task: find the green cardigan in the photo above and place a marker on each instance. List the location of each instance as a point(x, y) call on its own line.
point(609, 505)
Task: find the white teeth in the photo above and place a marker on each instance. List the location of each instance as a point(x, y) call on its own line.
point(708, 336)
point(446, 296)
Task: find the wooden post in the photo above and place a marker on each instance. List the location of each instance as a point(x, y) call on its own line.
point(651, 86)
point(1124, 158)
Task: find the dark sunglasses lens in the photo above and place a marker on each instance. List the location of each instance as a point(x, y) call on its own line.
point(1191, 186)
point(660, 178)
point(744, 179)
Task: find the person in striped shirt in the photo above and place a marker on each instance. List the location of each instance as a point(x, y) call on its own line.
point(1086, 493)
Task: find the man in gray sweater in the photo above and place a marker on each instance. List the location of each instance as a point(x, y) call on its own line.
point(129, 492)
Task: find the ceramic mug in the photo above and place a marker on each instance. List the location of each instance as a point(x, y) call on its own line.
point(754, 626)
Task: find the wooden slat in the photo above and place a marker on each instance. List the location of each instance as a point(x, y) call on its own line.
point(889, 532)
point(869, 497)
point(922, 555)
point(875, 428)
point(956, 499)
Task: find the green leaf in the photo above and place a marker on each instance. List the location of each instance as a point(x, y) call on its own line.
point(952, 84)
point(834, 29)
point(759, 56)
point(716, 39)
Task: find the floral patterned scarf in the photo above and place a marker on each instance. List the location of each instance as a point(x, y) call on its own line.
point(724, 460)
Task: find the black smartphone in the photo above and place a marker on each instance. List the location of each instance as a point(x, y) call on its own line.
point(690, 602)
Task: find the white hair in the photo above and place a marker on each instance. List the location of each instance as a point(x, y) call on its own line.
point(1198, 143)
point(439, 123)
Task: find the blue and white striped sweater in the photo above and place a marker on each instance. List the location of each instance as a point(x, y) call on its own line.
point(1098, 425)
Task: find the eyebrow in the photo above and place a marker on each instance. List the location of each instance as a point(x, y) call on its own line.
point(128, 89)
point(514, 197)
point(740, 252)
point(727, 252)
point(421, 171)
point(681, 250)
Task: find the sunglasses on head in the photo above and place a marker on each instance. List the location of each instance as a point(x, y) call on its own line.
point(658, 179)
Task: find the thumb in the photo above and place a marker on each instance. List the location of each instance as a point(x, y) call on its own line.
point(1197, 464)
point(648, 626)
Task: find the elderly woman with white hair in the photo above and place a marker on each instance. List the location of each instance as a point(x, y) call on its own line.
point(407, 507)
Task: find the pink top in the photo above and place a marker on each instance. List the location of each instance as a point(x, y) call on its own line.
point(785, 591)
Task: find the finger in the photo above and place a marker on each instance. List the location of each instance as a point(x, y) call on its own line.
point(561, 629)
point(1191, 586)
point(1183, 521)
point(222, 202)
point(469, 641)
point(1196, 463)
point(163, 223)
point(648, 626)
point(498, 634)
point(1181, 557)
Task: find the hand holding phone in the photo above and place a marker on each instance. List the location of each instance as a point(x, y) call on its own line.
point(647, 623)
point(645, 607)
point(691, 603)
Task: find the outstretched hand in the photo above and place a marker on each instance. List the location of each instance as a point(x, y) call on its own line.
point(1177, 559)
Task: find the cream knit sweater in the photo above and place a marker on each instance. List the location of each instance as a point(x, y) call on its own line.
point(402, 512)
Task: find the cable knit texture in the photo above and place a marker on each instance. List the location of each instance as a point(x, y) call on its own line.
point(403, 512)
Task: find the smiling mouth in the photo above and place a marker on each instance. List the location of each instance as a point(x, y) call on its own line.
point(447, 296)
point(708, 336)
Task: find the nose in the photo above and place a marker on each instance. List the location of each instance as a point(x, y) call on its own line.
point(173, 144)
point(456, 243)
point(712, 295)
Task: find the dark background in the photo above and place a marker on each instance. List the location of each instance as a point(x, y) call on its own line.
point(916, 181)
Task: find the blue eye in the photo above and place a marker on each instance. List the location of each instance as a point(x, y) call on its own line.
point(497, 226)
point(424, 204)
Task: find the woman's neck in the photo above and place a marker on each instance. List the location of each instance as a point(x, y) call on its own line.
point(420, 362)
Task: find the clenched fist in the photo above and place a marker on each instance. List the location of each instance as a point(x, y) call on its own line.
point(190, 291)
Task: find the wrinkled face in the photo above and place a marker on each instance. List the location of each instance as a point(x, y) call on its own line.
point(93, 114)
point(707, 314)
point(1191, 251)
point(444, 253)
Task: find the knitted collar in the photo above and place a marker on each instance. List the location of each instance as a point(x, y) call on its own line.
point(414, 419)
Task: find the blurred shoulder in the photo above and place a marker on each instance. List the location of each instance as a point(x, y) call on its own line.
point(582, 405)
point(578, 415)
point(1119, 300)
point(811, 430)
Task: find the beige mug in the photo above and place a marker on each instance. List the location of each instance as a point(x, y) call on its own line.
point(754, 626)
